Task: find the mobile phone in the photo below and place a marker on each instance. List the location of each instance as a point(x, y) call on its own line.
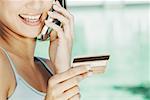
point(45, 33)
point(100, 60)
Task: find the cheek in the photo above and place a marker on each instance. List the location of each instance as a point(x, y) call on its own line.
point(8, 14)
point(12, 22)
point(8, 9)
point(9, 17)
point(47, 5)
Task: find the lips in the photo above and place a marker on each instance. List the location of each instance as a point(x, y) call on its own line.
point(32, 20)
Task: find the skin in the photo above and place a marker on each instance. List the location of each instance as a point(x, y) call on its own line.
point(19, 41)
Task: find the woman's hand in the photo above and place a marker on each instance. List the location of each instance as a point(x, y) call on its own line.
point(61, 38)
point(64, 86)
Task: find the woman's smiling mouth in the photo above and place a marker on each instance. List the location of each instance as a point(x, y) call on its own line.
point(32, 20)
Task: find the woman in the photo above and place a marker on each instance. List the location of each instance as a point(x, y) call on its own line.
point(25, 77)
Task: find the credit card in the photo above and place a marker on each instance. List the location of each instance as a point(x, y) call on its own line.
point(91, 60)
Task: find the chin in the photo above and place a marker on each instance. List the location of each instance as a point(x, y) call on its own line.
point(29, 31)
point(30, 34)
point(29, 26)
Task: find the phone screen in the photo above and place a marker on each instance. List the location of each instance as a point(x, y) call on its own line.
point(45, 33)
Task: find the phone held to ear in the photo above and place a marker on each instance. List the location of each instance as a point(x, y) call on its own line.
point(45, 33)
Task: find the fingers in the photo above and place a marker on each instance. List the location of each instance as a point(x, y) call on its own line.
point(57, 28)
point(75, 97)
point(69, 94)
point(67, 89)
point(57, 7)
point(68, 74)
point(69, 16)
point(66, 85)
point(98, 69)
point(65, 17)
point(65, 13)
point(84, 70)
point(65, 22)
point(58, 16)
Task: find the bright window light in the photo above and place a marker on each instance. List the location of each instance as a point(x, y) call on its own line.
point(101, 2)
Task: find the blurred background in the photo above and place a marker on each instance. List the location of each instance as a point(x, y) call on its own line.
point(120, 28)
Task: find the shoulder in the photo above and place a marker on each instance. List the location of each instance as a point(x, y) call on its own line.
point(6, 78)
point(49, 63)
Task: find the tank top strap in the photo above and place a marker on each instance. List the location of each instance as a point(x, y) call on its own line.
point(45, 65)
point(11, 63)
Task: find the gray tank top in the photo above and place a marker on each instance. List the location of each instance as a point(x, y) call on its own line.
point(23, 90)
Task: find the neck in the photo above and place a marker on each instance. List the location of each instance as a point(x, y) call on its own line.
point(18, 46)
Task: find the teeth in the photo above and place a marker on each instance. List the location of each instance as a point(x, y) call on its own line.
point(31, 18)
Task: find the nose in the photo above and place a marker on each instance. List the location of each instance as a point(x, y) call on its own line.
point(34, 5)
